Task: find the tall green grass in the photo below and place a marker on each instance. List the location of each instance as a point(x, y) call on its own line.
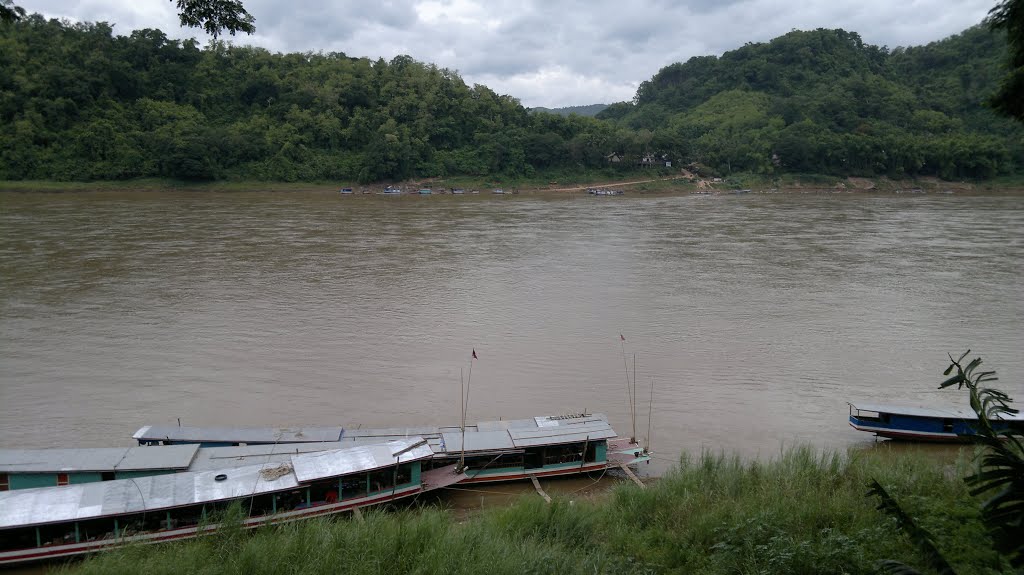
point(801, 513)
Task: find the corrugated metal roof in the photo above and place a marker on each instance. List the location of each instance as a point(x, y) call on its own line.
point(545, 421)
point(559, 428)
point(102, 459)
point(597, 427)
point(363, 458)
point(566, 438)
point(25, 507)
point(937, 412)
point(226, 457)
point(238, 434)
point(392, 432)
point(478, 441)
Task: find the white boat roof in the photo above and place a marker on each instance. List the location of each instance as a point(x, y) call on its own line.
point(568, 428)
point(522, 433)
point(477, 441)
point(238, 434)
point(27, 507)
point(226, 457)
point(937, 412)
point(101, 459)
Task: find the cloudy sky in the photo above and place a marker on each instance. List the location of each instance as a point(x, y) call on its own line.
point(545, 52)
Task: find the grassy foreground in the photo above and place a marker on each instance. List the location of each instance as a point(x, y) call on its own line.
point(801, 513)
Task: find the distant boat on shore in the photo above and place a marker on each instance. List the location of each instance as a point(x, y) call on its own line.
point(346, 190)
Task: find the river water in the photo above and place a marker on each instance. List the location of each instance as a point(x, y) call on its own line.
point(756, 317)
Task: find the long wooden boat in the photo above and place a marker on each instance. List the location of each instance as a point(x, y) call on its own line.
point(504, 450)
point(921, 423)
point(52, 522)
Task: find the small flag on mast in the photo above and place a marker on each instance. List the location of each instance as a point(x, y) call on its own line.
point(474, 353)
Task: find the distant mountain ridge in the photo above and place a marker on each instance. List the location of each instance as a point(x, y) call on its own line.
point(823, 101)
point(586, 111)
point(105, 107)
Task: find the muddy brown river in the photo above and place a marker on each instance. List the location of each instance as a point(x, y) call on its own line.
point(755, 317)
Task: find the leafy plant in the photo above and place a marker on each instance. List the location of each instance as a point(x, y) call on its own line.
point(1000, 472)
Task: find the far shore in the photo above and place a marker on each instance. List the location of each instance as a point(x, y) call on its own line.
point(675, 184)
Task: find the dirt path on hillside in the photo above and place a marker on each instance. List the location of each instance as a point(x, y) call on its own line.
point(610, 185)
point(683, 174)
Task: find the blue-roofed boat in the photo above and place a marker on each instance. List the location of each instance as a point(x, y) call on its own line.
point(922, 423)
point(346, 191)
point(55, 522)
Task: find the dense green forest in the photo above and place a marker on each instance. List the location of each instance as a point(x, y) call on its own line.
point(825, 102)
point(80, 103)
point(589, 111)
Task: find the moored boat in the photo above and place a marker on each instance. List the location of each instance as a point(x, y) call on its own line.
point(52, 522)
point(346, 191)
point(921, 423)
point(504, 450)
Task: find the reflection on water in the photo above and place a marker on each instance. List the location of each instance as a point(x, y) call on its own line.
point(755, 317)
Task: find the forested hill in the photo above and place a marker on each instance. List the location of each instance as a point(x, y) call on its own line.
point(823, 101)
point(80, 103)
point(589, 111)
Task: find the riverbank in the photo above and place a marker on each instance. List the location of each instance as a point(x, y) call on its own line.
point(683, 182)
point(801, 513)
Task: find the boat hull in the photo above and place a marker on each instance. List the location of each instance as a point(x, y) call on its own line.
point(906, 434)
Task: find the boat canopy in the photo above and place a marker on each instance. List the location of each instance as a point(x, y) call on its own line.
point(523, 433)
point(485, 435)
point(180, 434)
point(101, 459)
point(27, 507)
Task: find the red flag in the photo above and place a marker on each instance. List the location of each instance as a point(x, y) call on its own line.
point(474, 354)
point(622, 337)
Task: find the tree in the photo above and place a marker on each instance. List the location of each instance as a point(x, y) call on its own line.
point(214, 16)
point(9, 12)
point(1009, 15)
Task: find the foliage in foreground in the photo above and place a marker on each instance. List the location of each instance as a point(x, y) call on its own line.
point(999, 475)
point(803, 513)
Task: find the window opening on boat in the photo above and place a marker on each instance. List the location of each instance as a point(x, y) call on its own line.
point(23, 538)
point(947, 425)
point(382, 480)
point(62, 479)
point(353, 486)
point(570, 453)
point(107, 476)
point(5, 482)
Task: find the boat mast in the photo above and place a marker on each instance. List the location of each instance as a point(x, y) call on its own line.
point(629, 388)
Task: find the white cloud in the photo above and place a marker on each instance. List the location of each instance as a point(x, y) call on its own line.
point(546, 53)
